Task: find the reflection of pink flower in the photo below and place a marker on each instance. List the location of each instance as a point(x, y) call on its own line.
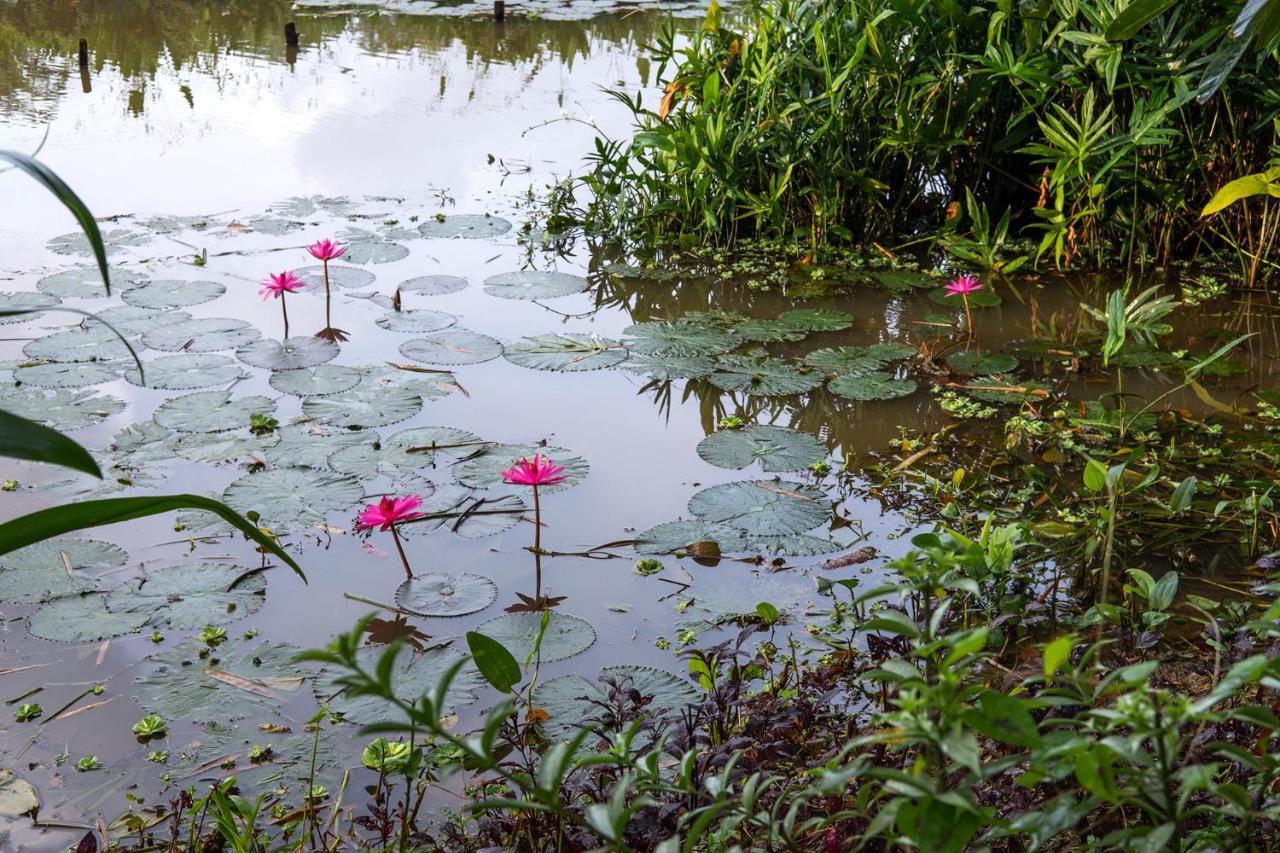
point(326, 250)
point(388, 512)
point(534, 472)
point(963, 286)
point(278, 284)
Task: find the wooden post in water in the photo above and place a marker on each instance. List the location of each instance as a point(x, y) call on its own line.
point(86, 85)
point(499, 11)
point(291, 34)
point(84, 53)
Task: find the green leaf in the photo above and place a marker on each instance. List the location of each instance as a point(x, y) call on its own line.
point(1057, 653)
point(24, 439)
point(496, 664)
point(767, 612)
point(1164, 591)
point(1183, 495)
point(1095, 476)
point(1134, 17)
point(55, 521)
point(50, 181)
point(1263, 183)
point(1004, 718)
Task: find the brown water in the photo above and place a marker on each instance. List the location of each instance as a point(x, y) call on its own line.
point(199, 109)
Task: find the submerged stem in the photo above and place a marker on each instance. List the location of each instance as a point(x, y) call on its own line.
point(328, 324)
point(537, 543)
point(285, 312)
point(395, 536)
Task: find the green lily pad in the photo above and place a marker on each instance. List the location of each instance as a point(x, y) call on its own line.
point(816, 319)
point(276, 226)
point(901, 281)
point(874, 385)
point(60, 408)
point(363, 407)
point(453, 346)
point(572, 702)
point(763, 507)
point(55, 568)
point(71, 375)
point(369, 247)
point(770, 377)
point(466, 226)
point(192, 595)
point(187, 371)
point(132, 321)
point(667, 367)
point(468, 513)
point(533, 284)
point(310, 446)
point(775, 448)
point(565, 636)
point(291, 354)
point(414, 674)
point(675, 537)
point(978, 363)
point(210, 411)
point(172, 293)
point(437, 594)
point(679, 338)
point(316, 381)
point(857, 359)
point(985, 298)
point(289, 498)
point(566, 352)
point(485, 469)
point(416, 320)
point(76, 243)
point(303, 206)
point(202, 335)
point(404, 453)
point(82, 619)
point(672, 536)
point(25, 300)
point(93, 343)
point(221, 447)
point(86, 282)
point(340, 277)
point(180, 685)
point(433, 285)
point(994, 389)
point(143, 442)
point(18, 797)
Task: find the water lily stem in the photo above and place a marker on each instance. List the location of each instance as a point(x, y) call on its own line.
point(395, 536)
point(537, 544)
point(328, 324)
point(968, 317)
point(284, 311)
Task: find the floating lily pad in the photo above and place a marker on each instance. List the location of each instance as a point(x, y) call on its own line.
point(985, 298)
point(25, 300)
point(427, 384)
point(18, 797)
point(775, 448)
point(312, 205)
point(186, 371)
point(132, 321)
point(978, 363)
point(817, 319)
point(86, 282)
point(900, 281)
point(679, 338)
point(293, 497)
point(873, 385)
point(566, 352)
point(764, 376)
point(60, 408)
point(433, 285)
point(76, 243)
point(454, 346)
point(666, 367)
point(763, 507)
point(82, 619)
point(694, 537)
point(565, 636)
point(172, 293)
point(413, 675)
point(93, 343)
point(468, 513)
point(291, 354)
point(994, 389)
point(221, 447)
point(485, 468)
point(416, 320)
point(363, 407)
point(192, 595)
point(369, 247)
point(672, 536)
point(55, 568)
point(310, 446)
point(340, 277)
point(181, 685)
point(572, 702)
point(466, 226)
point(71, 375)
point(203, 335)
point(404, 453)
point(437, 594)
point(276, 226)
point(857, 359)
point(210, 411)
point(533, 284)
point(143, 442)
point(315, 381)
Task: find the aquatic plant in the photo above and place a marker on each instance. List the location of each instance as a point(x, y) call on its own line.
point(535, 472)
point(385, 515)
point(275, 286)
point(963, 286)
point(324, 251)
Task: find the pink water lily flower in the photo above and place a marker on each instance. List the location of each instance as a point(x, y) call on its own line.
point(326, 250)
point(963, 286)
point(385, 515)
point(276, 285)
point(534, 472)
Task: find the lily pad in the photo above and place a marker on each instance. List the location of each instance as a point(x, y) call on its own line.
point(767, 376)
point(465, 226)
point(369, 247)
point(566, 352)
point(86, 282)
point(565, 636)
point(291, 354)
point(192, 595)
point(994, 389)
point(76, 243)
point(978, 363)
point(210, 411)
point(221, 447)
point(309, 446)
point(18, 797)
point(340, 277)
point(763, 507)
point(667, 367)
point(468, 513)
point(816, 319)
point(901, 281)
point(775, 448)
point(404, 453)
point(572, 702)
point(132, 321)
point(680, 339)
point(672, 536)
point(453, 346)
point(143, 442)
point(288, 498)
point(181, 685)
point(485, 468)
point(172, 293)
point(202, 335)
point(433, 285)
point(858, 359)
point(55, 568)
point(92, 343)
point(414, 674)
point(60, 408)
point(985, 298)
point(437, 594)
point(416, 320)
point(873, 385)
point(82, 619)
point(364, 406)
point(303, 206)
point(534, 284)
point(25, 300)
point(70, 375)
point(315, 381)
point(186, 371)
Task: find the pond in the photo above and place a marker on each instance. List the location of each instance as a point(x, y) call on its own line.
point(422, 143)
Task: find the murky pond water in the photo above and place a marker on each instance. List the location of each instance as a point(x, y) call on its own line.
point(416, 141)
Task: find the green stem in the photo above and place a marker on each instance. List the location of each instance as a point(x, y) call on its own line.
point(395, 537)
point(284, 311)
point(537, 544)
point(328, 324)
